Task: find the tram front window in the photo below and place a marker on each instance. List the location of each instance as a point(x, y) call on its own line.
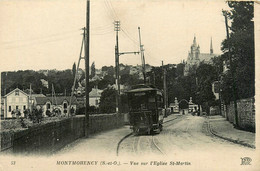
point(138, 102)
point(151, 103)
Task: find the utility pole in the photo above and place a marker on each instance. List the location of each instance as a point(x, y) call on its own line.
point(117, 29)
point(153, 78)
point(30, 101)
point(142, 55)
point(87, 35)
point(232, 71)
point(117, 54)
point(164, 86)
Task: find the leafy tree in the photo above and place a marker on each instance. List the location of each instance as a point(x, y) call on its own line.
point(108, 100)
point(242, 50)
point(206, 75)
point(130, 80)
point(107, 80)
point(180, 70)
point(109, 69)
point(125, 71)
point(93, 70)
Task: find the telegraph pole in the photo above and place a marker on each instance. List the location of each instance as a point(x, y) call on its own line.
point(142, 55)
point(86, 34)
point(232, 71)
point(117, 29)
point(117, 54)
point(164, 86)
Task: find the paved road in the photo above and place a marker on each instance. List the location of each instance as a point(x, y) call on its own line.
point(185, 134)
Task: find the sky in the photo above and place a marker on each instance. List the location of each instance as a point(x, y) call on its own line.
point(46, 34)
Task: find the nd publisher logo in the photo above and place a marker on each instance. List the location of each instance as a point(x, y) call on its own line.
point(246, 161)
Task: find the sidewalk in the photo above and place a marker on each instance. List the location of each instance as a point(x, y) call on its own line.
point(220, 127)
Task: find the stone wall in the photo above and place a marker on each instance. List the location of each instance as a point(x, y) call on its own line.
point(50, 137)
point(102, 122)
point(47, 138)
point(246, 113)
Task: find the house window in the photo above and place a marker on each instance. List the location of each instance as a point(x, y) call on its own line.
point(10, 109)
point(17, 107)
point(48, 105)
point(96, 102)
point(17, 92)
point(24, 107)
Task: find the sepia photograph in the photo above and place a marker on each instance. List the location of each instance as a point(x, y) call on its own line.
point(129, 85)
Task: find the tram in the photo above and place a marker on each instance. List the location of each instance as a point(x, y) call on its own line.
point(145, 109)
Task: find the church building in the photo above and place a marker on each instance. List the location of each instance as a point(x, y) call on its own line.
point(195, 57)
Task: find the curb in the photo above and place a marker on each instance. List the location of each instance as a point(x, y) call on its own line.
point(228, 139)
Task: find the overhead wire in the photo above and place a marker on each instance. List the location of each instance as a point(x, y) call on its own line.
point(112, 13)
point(40, 38)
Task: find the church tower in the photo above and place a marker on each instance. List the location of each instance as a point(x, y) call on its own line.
point(195, 50)
point(211, 47)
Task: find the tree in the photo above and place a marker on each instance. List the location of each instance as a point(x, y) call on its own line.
point(206, 75)
point(109, 69)
point(107, 80)
point(180, 69)
point(242, 49)
point(93, 70)
point(108, 100)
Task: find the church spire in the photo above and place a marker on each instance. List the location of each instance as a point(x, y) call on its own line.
point(211, 47)
point(194, 40)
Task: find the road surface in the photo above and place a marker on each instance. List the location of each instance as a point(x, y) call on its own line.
point(183, 136)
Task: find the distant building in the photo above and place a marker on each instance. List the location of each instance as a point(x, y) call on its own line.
point(193, 107)
point(134, 70)
point(15, 101)
point(94, 97)
point(123, 88)
point(60, 103)
point(80, 91)
point(2, 108)
point(45, 83)
point(216, 88)
point(174, 106)
point(195, 57)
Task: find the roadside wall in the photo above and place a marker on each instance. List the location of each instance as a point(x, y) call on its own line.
point(246, 113)
point(103, 122)
point(47, 138)
point(50, 137)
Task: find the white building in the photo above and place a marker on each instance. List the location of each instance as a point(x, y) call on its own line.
point(94, 97)
point(16, 100)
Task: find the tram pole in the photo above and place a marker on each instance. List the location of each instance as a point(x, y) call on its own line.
point(117, 83)
point(164, 87)
point(142, 55)
point(87, 67)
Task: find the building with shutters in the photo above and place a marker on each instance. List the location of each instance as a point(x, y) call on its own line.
point(14, 102)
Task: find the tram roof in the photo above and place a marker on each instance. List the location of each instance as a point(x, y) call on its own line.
point(141, 90)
